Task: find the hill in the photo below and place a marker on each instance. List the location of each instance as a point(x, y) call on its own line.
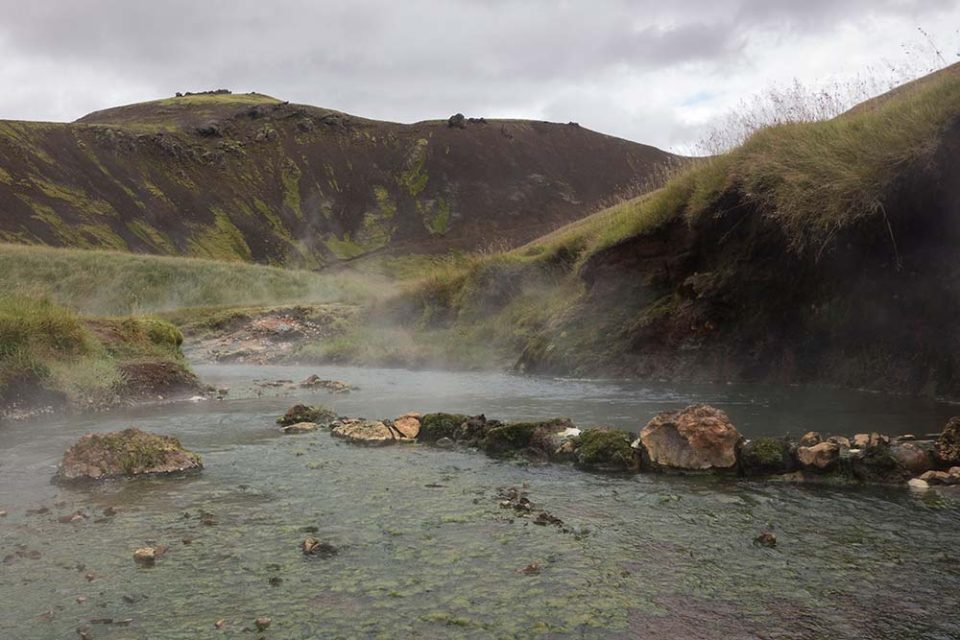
point(820, 252)
point(252, 178)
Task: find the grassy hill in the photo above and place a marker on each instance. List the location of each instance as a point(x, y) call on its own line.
point(816, 252)
point(252, 178)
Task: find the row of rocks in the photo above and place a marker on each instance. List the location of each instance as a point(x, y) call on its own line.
point(697, 438)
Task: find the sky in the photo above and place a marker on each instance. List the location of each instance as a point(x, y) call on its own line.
point(656, 72)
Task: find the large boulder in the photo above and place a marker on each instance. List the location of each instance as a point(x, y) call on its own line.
point(699, 437)
point(371, 432)
point(947, 448)
point(127, 453)
point(605, 449)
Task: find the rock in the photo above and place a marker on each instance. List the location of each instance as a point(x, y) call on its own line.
point(408, 425)
point(867, 440)
point(699, 437)
point(262, 623)
point(841, 441)
point(820, 457)
point(473, 430)
point(444, 443)
point(333, 386)
point(300, 427)
point(303, 413)
point(765, 456)
point(810, 439)
point(219, 623)
point(946, 450)
point(313, 547)
point(605, 449)
point(3, 514)
point(531, 569)
point(918, 485)
point(371, 432)
point(877, 463)
point(954, 472)
point(457, 121)
point(147, 556)
point(911, 457)
point(510, 438)
point(127, 453)
point(938, 477)
point(766, 539)
point(434, 426)
point(545, 518)
point(76, 516)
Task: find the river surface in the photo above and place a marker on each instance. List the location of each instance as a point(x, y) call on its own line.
point(425, 550)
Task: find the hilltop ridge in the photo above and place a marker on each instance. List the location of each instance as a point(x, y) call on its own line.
point(250, 177)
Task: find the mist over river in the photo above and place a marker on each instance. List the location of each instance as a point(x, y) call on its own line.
point(425, 549)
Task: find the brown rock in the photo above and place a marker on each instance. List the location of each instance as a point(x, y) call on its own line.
point(531, 569)
point(262, 623)
point(131, 452)
point(219, 623)
point(766, 539)
point(408, 425)
point(145, 556)
point(363, 431)
point(841, 441)
point(698, 437)
point(810, 439)
point(867, 440)
point(820, 457)
point(938, 477)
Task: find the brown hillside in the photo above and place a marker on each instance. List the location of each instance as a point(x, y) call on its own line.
point(249, 177)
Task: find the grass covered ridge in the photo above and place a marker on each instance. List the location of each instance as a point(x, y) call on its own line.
point(51, 355)
point(792, 196)
point(116, 283)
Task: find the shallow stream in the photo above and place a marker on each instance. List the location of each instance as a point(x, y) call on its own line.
point(425, 550)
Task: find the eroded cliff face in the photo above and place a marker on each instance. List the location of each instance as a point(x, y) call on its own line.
point(248, 177)
point(728, 296)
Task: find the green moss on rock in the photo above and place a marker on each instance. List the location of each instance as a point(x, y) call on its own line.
point(516, 436)
point(604, 449)
point(127, 453)
point(434, 426)
point(766, 456)
point(303, 413)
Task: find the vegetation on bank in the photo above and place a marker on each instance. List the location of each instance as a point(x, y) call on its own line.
point(116, 283)
point(50, 355)
point(810, 181)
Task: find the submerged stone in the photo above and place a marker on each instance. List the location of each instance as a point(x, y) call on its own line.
point(766, 539)
point(127, 453)
point(699, 437)
point(299, 427)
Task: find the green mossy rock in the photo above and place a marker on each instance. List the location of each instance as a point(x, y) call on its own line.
point(766, 456)
point(303, 413)
point(434, 426)
point(605, 449)
point(516, 436)
point(127, 453)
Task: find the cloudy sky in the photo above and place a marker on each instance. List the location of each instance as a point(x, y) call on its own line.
point(648, 70)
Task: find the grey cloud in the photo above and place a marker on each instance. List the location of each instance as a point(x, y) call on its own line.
point(412, 60)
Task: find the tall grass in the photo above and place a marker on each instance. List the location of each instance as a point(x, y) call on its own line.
point(114, 283)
